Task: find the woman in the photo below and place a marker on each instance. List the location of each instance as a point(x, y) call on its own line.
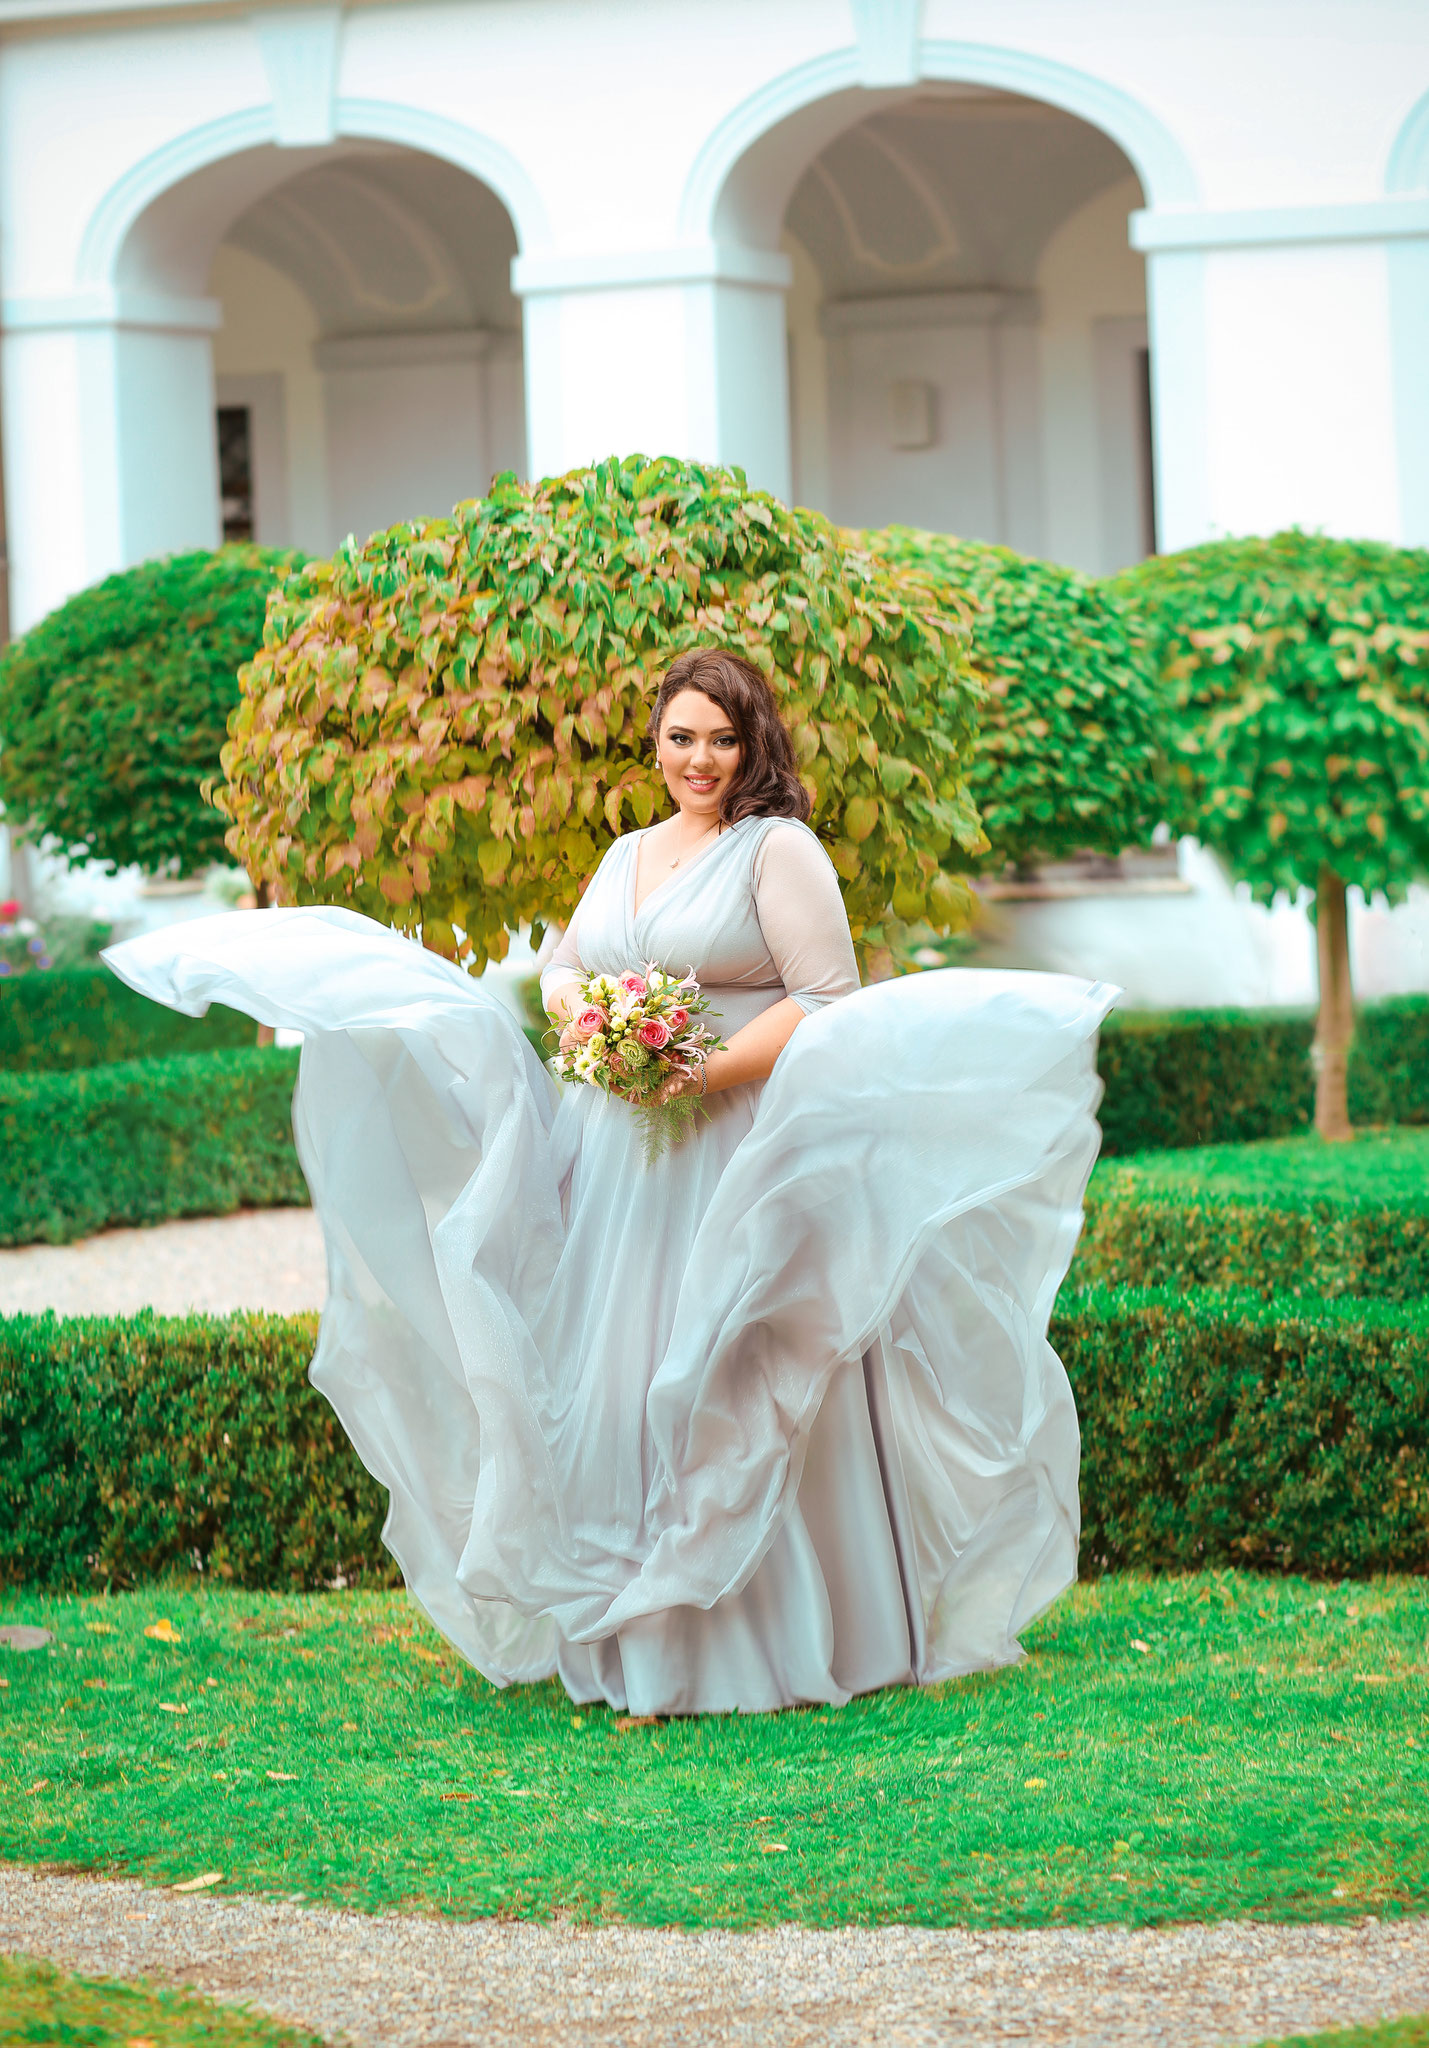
point(772, 1419)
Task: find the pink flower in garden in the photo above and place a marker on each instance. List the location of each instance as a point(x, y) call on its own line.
point(633, 984)
point(9, 911)
point(678, 1018)
point(589, 1022)
point(654, 1033)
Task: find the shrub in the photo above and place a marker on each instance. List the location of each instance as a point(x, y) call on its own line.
point(1222, 1430)
point(1217, 1430)
point(444, 727)
point(130, 1448)
point(1069, 754)
point(141, 1140)
point(1299, 672)
point(1144, 1238)
point(1197, 1077)
point(86, 1017)
point(114, 708)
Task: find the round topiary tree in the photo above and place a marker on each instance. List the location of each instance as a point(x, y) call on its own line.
point(1069, 754)
point(115, 707)
point(1300, 673)
point(445, 728)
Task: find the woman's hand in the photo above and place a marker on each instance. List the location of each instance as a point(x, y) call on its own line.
point(677, 1084)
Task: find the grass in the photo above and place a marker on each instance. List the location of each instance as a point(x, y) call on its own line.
point(41, 2004)
point(1181, 1748)
point(1412, 2032)
point(1377, 1169)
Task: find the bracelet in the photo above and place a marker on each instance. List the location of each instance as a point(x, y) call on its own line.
point(704, 1078)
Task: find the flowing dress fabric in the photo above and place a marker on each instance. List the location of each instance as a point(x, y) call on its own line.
point(773, 1419)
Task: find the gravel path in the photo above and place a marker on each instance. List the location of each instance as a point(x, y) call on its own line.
point(258, 1258)
point(425, 1983)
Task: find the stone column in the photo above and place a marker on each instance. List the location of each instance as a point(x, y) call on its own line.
point(678, 352)
point(1274, 356)
point(110, 442)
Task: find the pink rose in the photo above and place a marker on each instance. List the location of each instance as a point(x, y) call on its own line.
point(9, 911)
point(633, 984)
point(678, 1018)
point(589, 1022)
point(654, 1033)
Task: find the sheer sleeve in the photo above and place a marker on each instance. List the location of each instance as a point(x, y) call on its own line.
point(802, 917)
point(564, 965)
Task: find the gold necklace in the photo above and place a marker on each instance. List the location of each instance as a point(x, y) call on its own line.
point(716, 828)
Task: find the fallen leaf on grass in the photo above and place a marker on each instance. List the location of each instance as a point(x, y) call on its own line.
point(173, 1707)
point(629, 1721)
point(101, 1628)
point(459, 1795)
point(1371, 1678)
point(199, 1884)
point(1034, 1784)
point(1137, 1644)
point(774, 1848)
point(95, 1684)
point(141, 2041)
point(163, 1632)
point(40, 1785)
point(282, 1777)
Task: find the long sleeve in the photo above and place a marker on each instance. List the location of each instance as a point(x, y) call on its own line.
point(802, 917)
point(564, 965)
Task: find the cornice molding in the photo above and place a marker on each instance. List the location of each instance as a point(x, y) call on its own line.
point(1264, 227)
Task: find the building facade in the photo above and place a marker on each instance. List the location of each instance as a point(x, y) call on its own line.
point(1085, 278)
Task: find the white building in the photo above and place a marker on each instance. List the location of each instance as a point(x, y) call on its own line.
point(1088, 276)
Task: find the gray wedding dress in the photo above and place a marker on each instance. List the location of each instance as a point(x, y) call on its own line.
point(774, 1419)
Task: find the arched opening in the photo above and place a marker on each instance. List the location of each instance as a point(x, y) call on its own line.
point(968, 344)
point(351, 356)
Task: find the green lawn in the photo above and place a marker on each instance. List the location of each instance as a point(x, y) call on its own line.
point(1172, 1749)
point(1405, 2033)
point(1377, 1169)
point(44, 2005)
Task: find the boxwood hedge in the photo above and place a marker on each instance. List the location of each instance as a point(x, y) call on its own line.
point(141, 1140)
point(85, 1017)
point(1217, 1430)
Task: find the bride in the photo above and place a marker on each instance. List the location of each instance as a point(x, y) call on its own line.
point(771, 1419)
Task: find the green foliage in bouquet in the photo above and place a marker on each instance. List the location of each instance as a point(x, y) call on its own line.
point(445, 727)
point(114, 708)
point(1069, 753)
point(1299, 670)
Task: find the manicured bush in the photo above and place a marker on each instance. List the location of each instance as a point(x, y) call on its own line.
point(1218, 1429)
point(1132, 1240)
point(1069, 751)
point(141, 1140)
point(1298, 671)
point(133, 1447)
point(1198, 1077)
point(114, 708)
point(445, 727)
point(86, 1017)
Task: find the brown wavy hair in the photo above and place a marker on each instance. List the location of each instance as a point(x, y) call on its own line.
point(767, 785)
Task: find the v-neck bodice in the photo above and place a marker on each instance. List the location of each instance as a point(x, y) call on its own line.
point(753, 928)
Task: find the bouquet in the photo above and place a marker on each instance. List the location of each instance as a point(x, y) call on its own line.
point(633, 1032)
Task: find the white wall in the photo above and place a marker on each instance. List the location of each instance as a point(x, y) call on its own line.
point(268, 331)
point(1092, 289)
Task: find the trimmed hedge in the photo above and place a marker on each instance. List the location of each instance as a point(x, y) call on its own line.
point(1217, 1430)
point(133, 1447)
point(1138, 1239)
point(1199, 1077)
point(1221, 1430)
point(86, 1017)
point(141, 1140)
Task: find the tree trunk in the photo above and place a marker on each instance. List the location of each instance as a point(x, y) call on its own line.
point(264, 895)
point(1334, 1028)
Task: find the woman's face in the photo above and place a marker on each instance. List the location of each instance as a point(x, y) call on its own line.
point(698, 751)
